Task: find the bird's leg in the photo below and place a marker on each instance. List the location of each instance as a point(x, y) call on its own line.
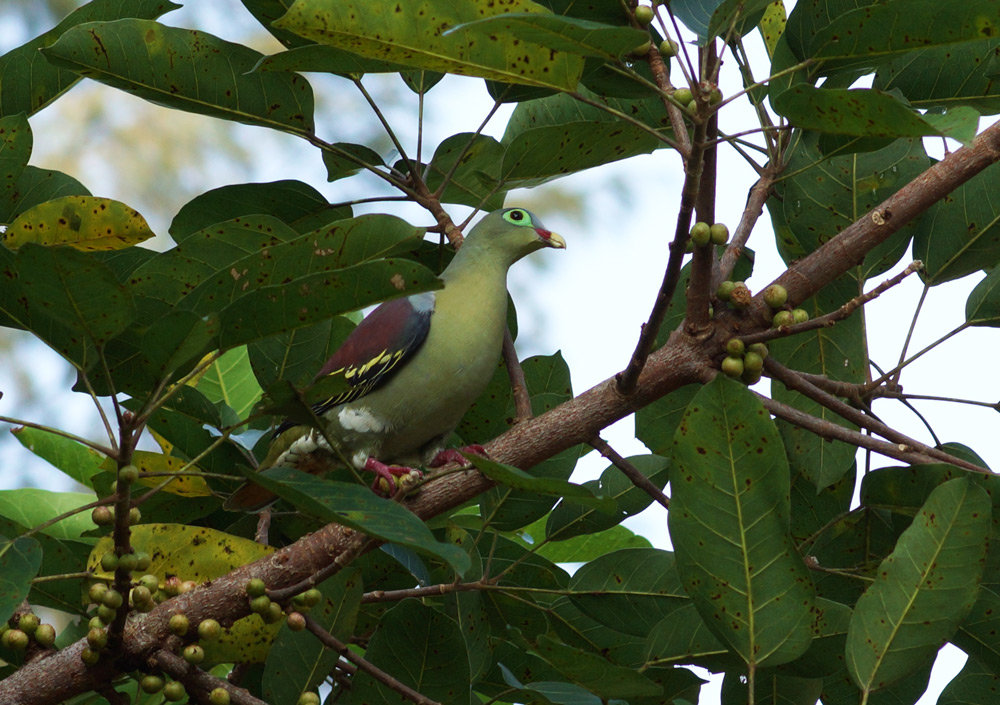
point(453, 455)
point(390, 478)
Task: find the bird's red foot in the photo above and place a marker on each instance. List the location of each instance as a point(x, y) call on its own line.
point(452, 455)
point(389, 479)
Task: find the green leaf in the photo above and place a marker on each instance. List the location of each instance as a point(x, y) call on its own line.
point(945, 76)
point(472, 164)
point(977, 634)
point(423, 649)
point(923, 590)
point(187, 70)
point(822, 196)
point(862, 33)
point(560, 33)
point(771, 687)
point(338, 245)
point(728, 521)
point(568, 519)
point(975, 683)
point(596, 674)
point(71, 457)
point(298, 661)
point(628, 590)
point(814, 509)
point(30, 82)
point(65, 285)
point(545, 153)
point(15, 149)
point(864, 112)
point(558, 692)
point(357, 507)
point(266, 12)
point(683, 637)
point(19, 563)
point(171, 275)
point(561, 109)
point(518, 479)
point(296, 356)
point(837, 353)
point(983, 305)
point(284, 307)
point(230, 381)
point(177, 341)
point(30, 507)
point(656, 423)
point(587, 547)
point(389, 32)
point(696, 15)
point(289, 201)
point(344, 159)
point(741, 15)
point(960, 233)
point(35, 186)
point(84, 222)
point(318, 58)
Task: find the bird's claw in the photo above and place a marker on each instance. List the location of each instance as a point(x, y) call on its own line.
point(453, 455)
point(390, 479)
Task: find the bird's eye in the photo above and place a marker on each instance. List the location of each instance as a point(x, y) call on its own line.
point(517, 216)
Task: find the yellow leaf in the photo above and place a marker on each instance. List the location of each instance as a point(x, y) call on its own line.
point(772, 25)
point(185, 485)
point(200, 554)
point(84, 222)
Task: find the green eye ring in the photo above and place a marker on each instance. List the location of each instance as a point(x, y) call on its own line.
point(518, 216)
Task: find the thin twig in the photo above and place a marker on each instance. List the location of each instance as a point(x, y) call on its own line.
point(331, 642)
point(384, 122)
point(465, 150)
point(103, 450)
point(839, 314)
point(661, 75)
point(910, 330)
point(891, 373)
point(836, 432)
point(630, 471)
point(626, 380)
point(194, 678)
point(796, 383)
point(751, 214)
point(518, 385)
point(890, 393)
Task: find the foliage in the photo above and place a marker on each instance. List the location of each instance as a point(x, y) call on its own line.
point(777, 578)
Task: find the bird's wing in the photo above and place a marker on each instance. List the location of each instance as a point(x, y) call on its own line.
point(378, 347)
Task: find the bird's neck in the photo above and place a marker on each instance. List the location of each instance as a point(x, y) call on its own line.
point(477, 267)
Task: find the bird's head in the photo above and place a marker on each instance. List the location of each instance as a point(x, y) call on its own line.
point(511, 233)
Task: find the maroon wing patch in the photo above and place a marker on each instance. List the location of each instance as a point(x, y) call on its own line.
point(378, 347)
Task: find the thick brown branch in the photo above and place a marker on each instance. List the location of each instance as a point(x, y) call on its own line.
point(839, 254)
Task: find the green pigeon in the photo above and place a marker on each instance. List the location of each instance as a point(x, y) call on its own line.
point(413, 366)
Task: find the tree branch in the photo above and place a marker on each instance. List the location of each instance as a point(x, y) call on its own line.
point(630, 471)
